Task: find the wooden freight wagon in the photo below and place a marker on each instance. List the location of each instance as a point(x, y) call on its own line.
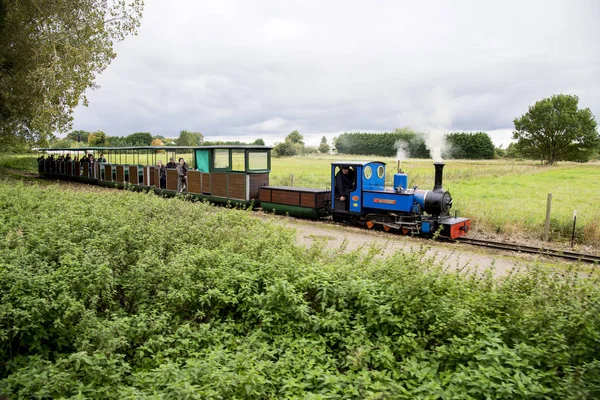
point(295, 201)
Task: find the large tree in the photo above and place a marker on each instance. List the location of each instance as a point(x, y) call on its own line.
point(555, 129)
point(324, 146)
point(50, 52)
point(295, 137)
point(78, 136)
point(98, 139)
point(140, 139)
point(187, 138)
point(293, 144)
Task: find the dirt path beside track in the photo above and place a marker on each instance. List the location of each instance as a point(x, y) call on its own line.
point(452, 255)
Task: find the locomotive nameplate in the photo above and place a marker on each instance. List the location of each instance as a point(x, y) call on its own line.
point(384, 201)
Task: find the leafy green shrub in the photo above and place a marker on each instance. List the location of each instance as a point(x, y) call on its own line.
point(108, 294)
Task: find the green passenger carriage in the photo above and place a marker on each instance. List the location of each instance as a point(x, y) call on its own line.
point(220, 174)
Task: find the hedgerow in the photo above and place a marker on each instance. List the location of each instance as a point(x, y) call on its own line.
point(382, 144)
point(108, 294)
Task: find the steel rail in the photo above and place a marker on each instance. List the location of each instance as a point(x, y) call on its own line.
point(570, 255)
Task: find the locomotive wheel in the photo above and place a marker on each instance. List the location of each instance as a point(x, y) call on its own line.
point(386, 228)
point(369, 224)
point(337, 218)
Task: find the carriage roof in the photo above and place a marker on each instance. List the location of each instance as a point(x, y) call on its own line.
point(107, 148)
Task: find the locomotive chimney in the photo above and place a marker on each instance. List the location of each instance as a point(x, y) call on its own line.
point(439, 171)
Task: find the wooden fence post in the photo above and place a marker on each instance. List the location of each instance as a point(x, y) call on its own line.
point(547, 226)
point(292, 179)
point(574, 222)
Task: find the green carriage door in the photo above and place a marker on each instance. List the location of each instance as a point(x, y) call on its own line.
point(203, 160)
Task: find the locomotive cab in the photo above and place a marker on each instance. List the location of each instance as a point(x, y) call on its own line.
point(367, 176)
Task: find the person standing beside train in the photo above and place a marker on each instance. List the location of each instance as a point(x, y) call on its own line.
point(182, 170)
point(162, 171)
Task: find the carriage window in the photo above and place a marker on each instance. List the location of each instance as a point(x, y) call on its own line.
point(380, 171)
point(257, 161)
point(221, 158)
point(368, 172)
point(238, 160)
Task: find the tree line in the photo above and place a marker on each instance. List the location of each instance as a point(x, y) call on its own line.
point(413, 144)
point(553, 129)
point(80, 138)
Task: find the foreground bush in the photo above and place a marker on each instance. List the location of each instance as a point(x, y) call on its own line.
point(111, 294)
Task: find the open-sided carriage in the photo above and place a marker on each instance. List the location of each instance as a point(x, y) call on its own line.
point(220, 174)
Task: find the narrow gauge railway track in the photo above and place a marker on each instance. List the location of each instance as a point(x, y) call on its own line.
point(570, 255)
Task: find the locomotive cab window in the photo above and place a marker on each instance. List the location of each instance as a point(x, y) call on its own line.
point(380, 171)
point(368, 172)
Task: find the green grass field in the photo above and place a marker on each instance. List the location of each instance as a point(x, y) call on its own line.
point(500, 196)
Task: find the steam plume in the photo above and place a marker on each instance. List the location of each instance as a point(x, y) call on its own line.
point(437, 121)
point(402, 150)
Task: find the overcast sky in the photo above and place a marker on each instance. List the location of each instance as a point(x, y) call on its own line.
point(248, 69)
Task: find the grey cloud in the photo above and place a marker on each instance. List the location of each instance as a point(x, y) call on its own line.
point(236, 69)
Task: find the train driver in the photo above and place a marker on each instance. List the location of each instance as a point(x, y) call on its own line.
point(345, 182)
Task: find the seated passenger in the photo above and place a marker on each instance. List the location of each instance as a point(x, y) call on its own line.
point(345, 182)
point(101, 159)
point(172, 164)
point(68, 157)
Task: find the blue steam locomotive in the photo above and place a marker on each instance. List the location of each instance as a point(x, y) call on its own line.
point(369, 203)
